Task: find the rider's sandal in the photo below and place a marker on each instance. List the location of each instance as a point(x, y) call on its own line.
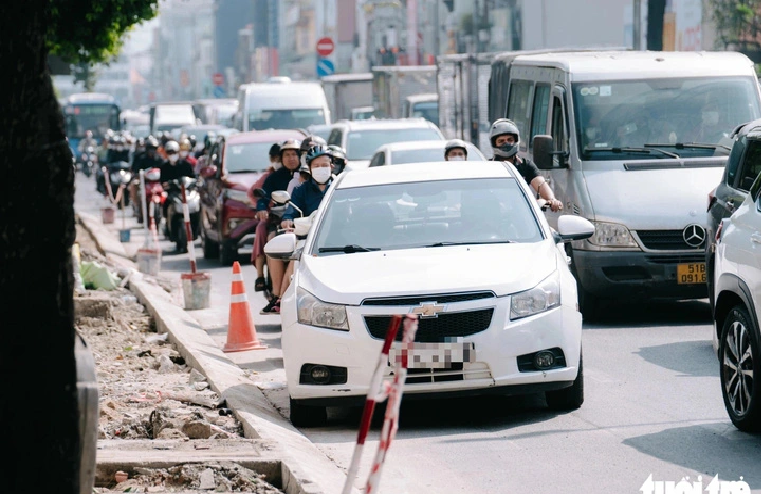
point(260, 284)
point(269, 308)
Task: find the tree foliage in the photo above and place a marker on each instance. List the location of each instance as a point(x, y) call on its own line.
point(92, 30)
point(738, 25)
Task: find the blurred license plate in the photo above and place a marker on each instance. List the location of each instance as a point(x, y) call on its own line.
point(433, 355)
point(690, 274)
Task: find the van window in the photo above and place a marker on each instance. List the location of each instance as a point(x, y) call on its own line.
point(751, 166)
point(285, 119)
point(558, 125)
point(539, 113)
point(335, 138)
point(633, 114)
point(517, 106)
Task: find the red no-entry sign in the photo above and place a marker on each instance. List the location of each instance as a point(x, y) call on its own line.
point(325, 46)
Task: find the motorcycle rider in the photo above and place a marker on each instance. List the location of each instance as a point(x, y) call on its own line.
point(87, 142)
point(307, 197)
point(260, 233)
point(455, 150)
point(193, 144)
point(117, 151)
point(185, 148)
point(278, 180)
point(149, 158)
point(339, 158)
point(505, 137)
point(174, 168)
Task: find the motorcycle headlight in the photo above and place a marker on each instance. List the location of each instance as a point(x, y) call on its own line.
point(93, 157)
point(116, 178)
point(315, 312)
point(541, 298)
point(238, 195)
point(612, 235)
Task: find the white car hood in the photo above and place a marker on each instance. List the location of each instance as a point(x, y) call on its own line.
point(357, 164)
point(658, 198)
point(504, 268)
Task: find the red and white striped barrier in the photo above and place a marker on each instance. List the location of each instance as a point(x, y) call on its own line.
point(378, 392)
point(188, 230)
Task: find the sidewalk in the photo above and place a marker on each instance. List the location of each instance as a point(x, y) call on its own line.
point(305, 469)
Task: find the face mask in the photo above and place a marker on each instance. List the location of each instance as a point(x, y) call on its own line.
point(321, 174)
point(457, 158)
point(710, 117)
point(276, 165)
point(183, 154)
point(173, 158)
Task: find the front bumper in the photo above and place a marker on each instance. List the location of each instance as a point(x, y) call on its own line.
point(495, 369)
point(630, 274)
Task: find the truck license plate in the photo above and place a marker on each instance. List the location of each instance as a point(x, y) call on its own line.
point(433, 355)
point(691, 274)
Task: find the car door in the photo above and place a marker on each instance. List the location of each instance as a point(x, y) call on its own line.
point(743, 243)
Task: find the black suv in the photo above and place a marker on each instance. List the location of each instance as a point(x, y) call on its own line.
point(743, 166)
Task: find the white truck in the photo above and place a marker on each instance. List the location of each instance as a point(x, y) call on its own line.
point(393, 84)
point(347, 91)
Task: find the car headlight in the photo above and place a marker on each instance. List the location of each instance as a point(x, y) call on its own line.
point(238, 195)
point(612, 235)
point(541, 298)
point(315, 312)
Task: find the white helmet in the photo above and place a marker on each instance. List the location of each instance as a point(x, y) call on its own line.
point(500, 127)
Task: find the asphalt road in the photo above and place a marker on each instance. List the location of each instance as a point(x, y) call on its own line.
point(653, 407)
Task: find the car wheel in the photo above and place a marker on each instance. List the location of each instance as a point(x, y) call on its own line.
point(307, 415)
point(739, 353)
point(569, 398)
point(227, 255)
point(210, 247)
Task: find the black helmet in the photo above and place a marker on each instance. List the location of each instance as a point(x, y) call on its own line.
point(275, 150)
point(316, 152)
point(500, 127)
point(455, 144)
point(311, 141)
point(192, 139)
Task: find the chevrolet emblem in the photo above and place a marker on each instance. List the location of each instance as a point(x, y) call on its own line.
point(428, 309)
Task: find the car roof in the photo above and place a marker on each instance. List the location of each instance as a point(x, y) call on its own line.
point(424, 172)
point(264, 136)
point(385, 123)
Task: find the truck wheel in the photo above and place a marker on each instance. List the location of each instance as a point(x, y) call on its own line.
point(307, 416)
point(589, 303)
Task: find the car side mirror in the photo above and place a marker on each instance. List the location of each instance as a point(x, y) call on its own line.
point(572, 227)
point(209, 171)
point(302, 225)
point(281, 196)
point(281, 247)
point(543, 147)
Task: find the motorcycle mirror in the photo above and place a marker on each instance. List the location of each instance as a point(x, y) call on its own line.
point(281, 196)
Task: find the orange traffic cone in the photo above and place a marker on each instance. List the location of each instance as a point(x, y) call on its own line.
point(241, 332)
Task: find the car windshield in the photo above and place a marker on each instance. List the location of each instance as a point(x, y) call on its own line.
point(251, 157)
point(437, 213)
point(286, 119)
point(642, 114)
point(402, 156)
point(363, 143)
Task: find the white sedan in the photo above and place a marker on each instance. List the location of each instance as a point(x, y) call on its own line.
point(466, 248)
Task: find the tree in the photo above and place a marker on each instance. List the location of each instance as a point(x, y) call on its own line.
point(738, 25)
point(39, 404)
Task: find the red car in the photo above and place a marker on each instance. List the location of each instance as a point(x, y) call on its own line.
point(228, 210)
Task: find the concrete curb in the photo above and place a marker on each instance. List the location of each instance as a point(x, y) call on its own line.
point(305, 469)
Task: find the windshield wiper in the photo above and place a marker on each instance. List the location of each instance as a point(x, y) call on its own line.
point(645, 150)
point(446, 244)
point(688, 145)
point(348, 249)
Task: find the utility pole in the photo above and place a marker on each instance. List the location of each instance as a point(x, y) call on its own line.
point(637, 25)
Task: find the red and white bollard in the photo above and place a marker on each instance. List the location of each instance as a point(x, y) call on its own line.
point(195, 286)
point(188, 230)
point(378, 392)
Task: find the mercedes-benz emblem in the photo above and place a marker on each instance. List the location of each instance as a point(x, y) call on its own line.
point(694, 235)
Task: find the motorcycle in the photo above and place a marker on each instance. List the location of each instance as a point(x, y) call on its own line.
point(154, 195)
point(88, 161)
point(174, 226)
point(119, 177)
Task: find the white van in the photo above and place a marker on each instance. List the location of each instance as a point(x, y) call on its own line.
point(634, 142)
point(281, 104)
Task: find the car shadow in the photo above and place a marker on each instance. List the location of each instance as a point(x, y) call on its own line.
point(662, 313)
point(690, 358)
point(711, 449)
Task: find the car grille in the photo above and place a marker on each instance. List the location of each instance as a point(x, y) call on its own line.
point(676, 259)
point(437, 329)
point(665, 240)
point(442, 298)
